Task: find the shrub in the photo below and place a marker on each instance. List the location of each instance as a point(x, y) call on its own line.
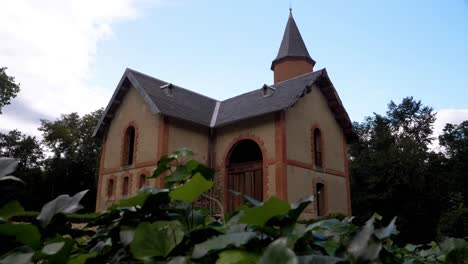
point(162, 226)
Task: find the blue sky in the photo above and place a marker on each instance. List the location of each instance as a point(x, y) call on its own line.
point(374, 51)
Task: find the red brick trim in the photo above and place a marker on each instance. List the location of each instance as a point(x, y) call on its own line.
point(139, 180)
point(280, 155)
point(227, 155)
point(124, 145)
point(312, 146)
point(346, 165)
point(163, 141)
point(308, 166)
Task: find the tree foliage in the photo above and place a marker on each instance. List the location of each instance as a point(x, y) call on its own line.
point(9, 89)
point(158, 227)
point(394, 171)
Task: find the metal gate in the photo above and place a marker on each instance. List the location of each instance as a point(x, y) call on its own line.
point(246, 178)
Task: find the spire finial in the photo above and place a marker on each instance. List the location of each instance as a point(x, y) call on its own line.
point(290, 8)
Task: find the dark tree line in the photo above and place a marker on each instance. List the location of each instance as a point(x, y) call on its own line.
point(394, 172)
point(65, 161)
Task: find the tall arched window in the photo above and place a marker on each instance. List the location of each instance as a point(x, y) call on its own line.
point(129, 146)
point(125, 186)
point(320, 194)
point(110, 188)
point(318, 148)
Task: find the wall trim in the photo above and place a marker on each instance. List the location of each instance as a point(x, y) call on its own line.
point(309, 166)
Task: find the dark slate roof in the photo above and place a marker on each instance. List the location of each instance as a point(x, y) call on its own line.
point(186, 105)
point(292, 45)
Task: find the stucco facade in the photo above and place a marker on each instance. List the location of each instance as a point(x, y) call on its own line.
point(287, 140)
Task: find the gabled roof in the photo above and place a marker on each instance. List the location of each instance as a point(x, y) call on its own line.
point(186, 105)
point(292, 45)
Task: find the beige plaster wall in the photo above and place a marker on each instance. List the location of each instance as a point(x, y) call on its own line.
point(335, 189)
point(132, 108)
point(262, 128)
point(311, 110)
point(134, 180)
point(182, 134)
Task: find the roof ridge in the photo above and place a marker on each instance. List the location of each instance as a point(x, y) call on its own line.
point(299, 76)
point(180, 87)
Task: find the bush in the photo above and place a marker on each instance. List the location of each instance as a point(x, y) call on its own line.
point(162, 226)
point(454, 223)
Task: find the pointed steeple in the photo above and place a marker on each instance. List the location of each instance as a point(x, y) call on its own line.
point(292, 46)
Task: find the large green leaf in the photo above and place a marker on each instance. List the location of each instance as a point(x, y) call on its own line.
point(237, 257)
point(82, 258)
point(62, 204)
point(26, 234)
point(137, 200)
point(300, 206)
point(181, 173)
point(319, 259)
point(387, 231)
point(11, 209)
point(182, 152)
point(162, 166)
point(261, 214)
point(18, 257)
point(329, 245)
point(156, 239)
point(53, 248)
point(192, 189)
point(7, 166)
point(221, 242)
point(278, 252)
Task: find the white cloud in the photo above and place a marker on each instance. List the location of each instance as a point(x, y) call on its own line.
point(444, 116)
point(48, 46)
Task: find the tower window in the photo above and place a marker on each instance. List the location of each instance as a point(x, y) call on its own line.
point(125, 186)
point(129, 146)
point(318, 148)
point(110, 188)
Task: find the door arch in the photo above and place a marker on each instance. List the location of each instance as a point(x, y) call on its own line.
point(244, 172)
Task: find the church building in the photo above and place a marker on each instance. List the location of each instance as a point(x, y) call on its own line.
point(287, 139)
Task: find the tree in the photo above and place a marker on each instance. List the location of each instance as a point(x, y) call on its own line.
point(8, 88)
point(394, 173)
point(28, 152)
point(75, 160)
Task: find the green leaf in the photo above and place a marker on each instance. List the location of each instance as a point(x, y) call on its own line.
point(62, 204)
point(7, 166)
point(192, 189)
point(261, 214)
point(237, 257)
point(192, 165)
point(377, 216)
point(180, 260)
point(329, 245)
point(278, 252)
point(182, 152)
point(137, 200)
point(156, 239)
point(386, 232)
point(319, 259)
point(300, 206)
point(82, 258)
point(180, 174)
point(11, 209)
point(162, 166)
point(18, 258)
point(221, 242)
point(53, 248)
point(247, 198)
point(26, 234)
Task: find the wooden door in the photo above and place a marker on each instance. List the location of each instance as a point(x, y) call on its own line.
point(246, 178)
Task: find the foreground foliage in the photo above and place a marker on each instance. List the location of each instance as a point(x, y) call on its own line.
point(163, 226)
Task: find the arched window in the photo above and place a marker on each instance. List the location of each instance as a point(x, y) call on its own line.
point(110, 188)
point(142, 181)
point(318, 148)
point(320, 194)
point(129, 146)
point(125, 186)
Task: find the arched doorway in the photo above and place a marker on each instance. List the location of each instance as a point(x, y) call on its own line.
point(244, 168)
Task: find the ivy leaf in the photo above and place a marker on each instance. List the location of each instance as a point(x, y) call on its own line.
point(221, 242)
point(383, 233)
point(237, 257)
point(7, 166)
point(261, 214)
point(11, 209)
point(180, 174)
point(156, 239)
point(278, 252)
point(18, 258)
point(26, 234)
point(162, 166)
point(300, 206)
point(319, 259)
point(82, 258)
point(62, 204)
point(192, 189)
